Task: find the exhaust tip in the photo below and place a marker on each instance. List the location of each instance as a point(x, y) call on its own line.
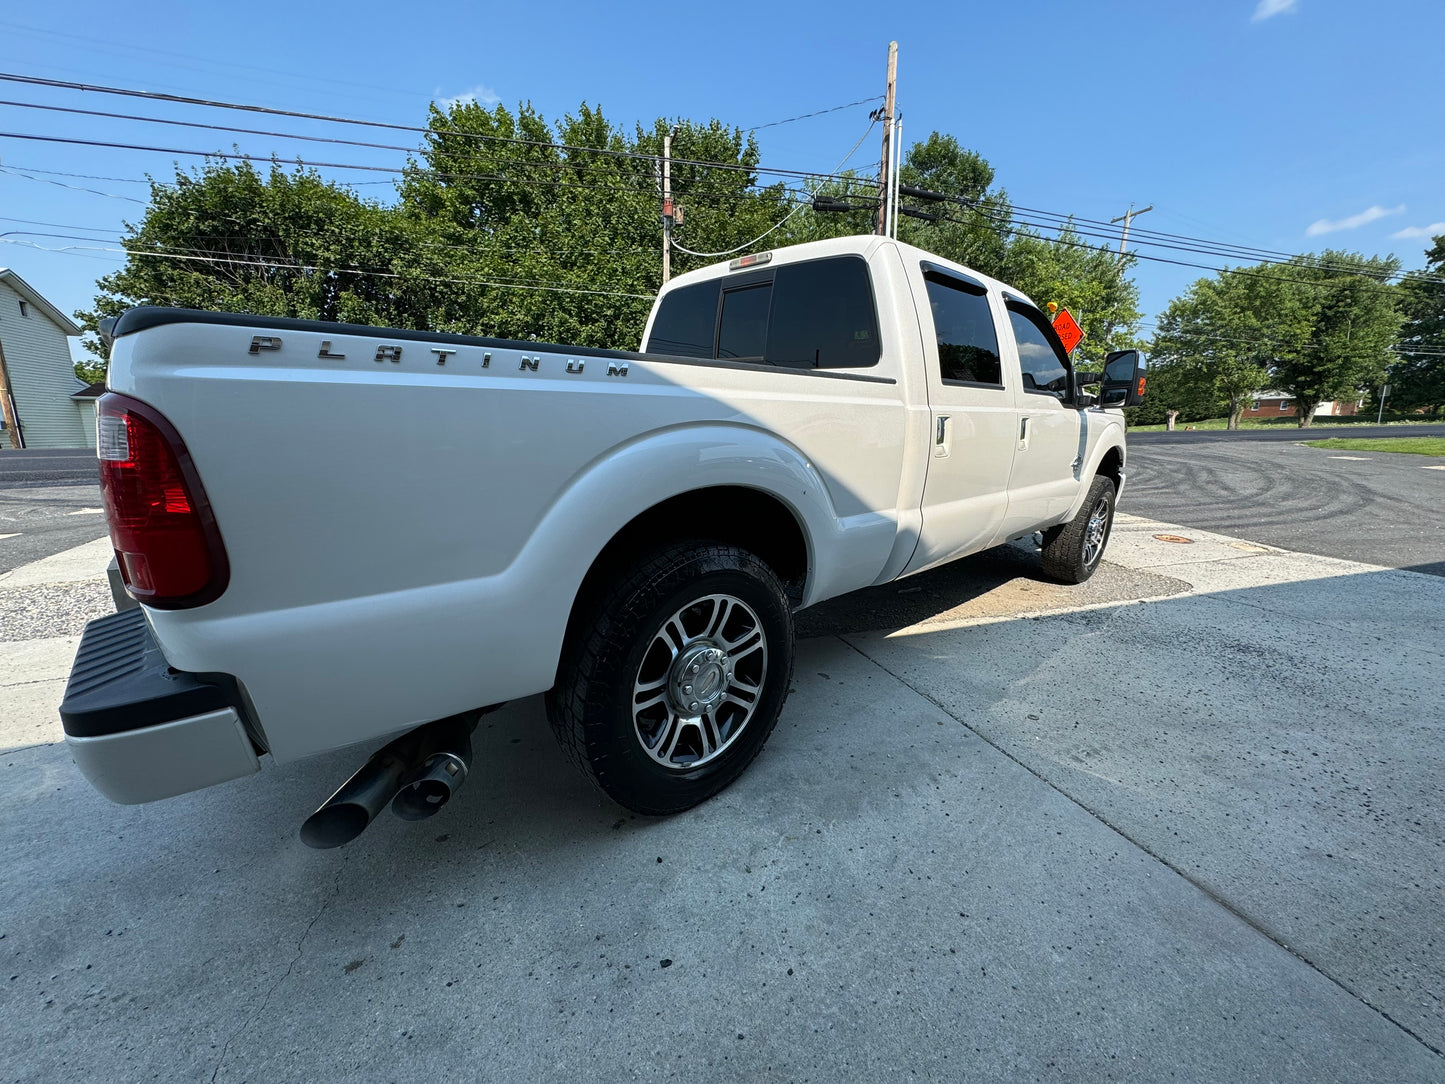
point(432, 787)
point(333, 825)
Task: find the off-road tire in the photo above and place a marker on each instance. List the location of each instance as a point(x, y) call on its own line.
point(591, 708)
point(1064, 550)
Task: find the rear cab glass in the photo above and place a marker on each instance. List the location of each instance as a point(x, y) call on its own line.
point(817, 314)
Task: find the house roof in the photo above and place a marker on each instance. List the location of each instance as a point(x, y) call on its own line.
point(29, 293)
point(90, 391)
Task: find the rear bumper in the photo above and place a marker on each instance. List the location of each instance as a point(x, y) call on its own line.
point(140, 731)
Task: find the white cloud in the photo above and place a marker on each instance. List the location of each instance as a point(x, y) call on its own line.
point(479, 94)
point(1268, 9)
point(1435, 229)
point(1365, 217)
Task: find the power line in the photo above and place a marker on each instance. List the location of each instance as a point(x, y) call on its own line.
point(817, 113)
point(74, 188)
point(63, 84)
point(277, 266)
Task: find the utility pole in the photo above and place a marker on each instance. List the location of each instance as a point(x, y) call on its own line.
point(885, 180)
point(7, 405)
point(1126, 218)
point(667, 207)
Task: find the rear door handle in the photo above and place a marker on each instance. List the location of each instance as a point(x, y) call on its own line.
point(940, 437)
point(1023, 432)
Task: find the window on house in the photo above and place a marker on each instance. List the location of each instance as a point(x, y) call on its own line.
point(1285, 404)
point(1254, 405)
point(24, 309)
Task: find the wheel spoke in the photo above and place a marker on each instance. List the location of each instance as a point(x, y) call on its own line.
point(723, 610)
point(651, 700)
point(744, 645)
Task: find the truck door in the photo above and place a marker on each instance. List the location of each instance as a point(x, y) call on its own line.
point(1047, 445)
point(971, 439)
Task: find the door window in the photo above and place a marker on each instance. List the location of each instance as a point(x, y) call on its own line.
point(963, 324)
point(1042, 359)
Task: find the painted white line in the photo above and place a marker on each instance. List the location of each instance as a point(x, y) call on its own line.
point(1355, 458)
point(87, 512)
point(15, 535)
point(1434, 466)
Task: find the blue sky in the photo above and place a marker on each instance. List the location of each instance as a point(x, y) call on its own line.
point(1284, 124)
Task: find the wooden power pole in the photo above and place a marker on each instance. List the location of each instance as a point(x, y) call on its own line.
point(1126, 218)
point(667, 206)
point(885, 181)
point(7, 405)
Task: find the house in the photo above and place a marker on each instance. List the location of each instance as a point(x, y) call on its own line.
point(37, 376)
point(1277, 404)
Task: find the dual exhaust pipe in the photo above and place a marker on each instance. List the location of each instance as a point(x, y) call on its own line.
point(417, 774)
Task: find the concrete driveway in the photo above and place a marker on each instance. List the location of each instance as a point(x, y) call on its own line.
point(1004, 831)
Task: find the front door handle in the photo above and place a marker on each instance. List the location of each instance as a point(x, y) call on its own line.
point(1023, 432)
point(940, 437)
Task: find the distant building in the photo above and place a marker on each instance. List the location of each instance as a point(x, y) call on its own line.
point(39, 375)
point(1276, 404)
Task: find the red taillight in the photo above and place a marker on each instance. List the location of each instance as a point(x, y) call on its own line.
point(165, 538)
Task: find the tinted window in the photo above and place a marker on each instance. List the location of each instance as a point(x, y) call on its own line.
point(963, 323)
point(685, 322)
point(1040, 357)
point(743, 331)
point(823, 316)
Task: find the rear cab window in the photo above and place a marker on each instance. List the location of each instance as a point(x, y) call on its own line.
point(817, 314)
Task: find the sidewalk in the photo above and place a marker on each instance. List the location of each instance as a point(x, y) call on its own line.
point(1188, 836)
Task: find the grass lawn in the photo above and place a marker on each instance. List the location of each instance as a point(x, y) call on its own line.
point(1327, 421)
point(1413, 445)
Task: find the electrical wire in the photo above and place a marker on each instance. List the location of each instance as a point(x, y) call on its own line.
point(63, 84)
point(276, 266)
point(818, 113)
point(709, 255)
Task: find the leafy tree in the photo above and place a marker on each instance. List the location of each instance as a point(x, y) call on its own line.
point(1418, 378)
point(1218, 340)
point(1089, 281)
point(229, 237)
point(1350, 315)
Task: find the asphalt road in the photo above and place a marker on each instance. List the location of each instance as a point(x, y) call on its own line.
point(1381, 508)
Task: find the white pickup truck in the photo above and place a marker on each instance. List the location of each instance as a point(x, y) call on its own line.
point(340, 534)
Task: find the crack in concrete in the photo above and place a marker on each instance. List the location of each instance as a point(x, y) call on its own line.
point(300, 951)
point(1253, 924)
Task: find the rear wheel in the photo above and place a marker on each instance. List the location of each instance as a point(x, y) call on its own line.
point(673, 677)
point(1072, 551)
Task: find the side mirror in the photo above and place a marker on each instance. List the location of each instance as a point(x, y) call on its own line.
point(1123, 383)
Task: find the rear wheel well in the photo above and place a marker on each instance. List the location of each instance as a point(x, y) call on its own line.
point(743, 517)
point(1112, 466)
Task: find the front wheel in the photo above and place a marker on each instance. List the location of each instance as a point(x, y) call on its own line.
point(1072, 551)
point(673, 678)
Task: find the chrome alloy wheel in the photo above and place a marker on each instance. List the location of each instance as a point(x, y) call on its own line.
point(1095, 531)
point(699, 682)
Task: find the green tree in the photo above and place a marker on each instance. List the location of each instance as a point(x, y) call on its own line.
point(229, 237)
point(1218, 340)
point(1350, 316)
point(1417, 378)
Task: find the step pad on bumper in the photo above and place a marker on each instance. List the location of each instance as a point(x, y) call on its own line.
point(120, 681)
point(140, 731)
